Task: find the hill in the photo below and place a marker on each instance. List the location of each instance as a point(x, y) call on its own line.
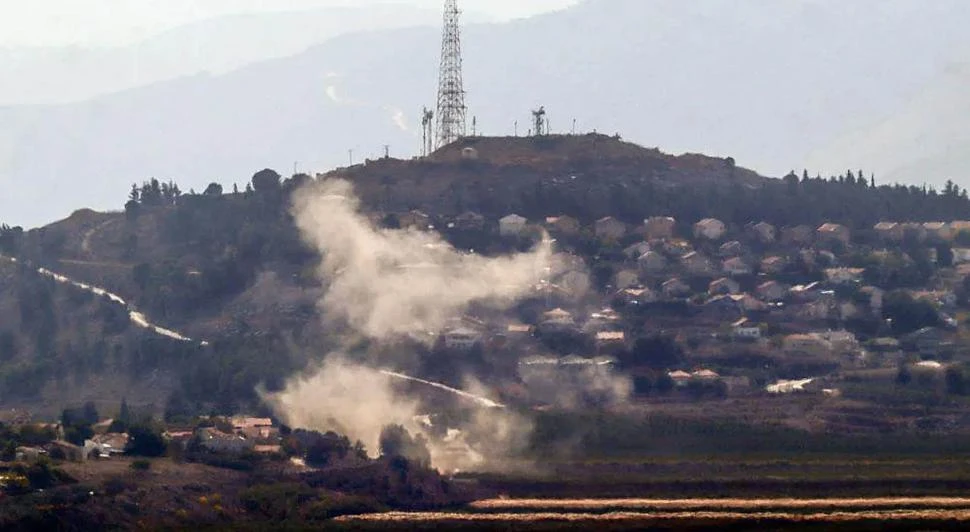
point(688, 78)
point(233, 270)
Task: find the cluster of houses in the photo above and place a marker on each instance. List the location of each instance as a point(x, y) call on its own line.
point(247, 434)
point(785, 289)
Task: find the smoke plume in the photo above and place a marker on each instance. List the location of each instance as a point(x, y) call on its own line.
point(383, 284)
point(389, 282)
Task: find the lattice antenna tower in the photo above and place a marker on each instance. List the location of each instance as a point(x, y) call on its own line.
point(427, 132)
point(540, 122)
point(451, 93)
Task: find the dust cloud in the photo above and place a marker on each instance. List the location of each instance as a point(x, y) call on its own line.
point(390, 282)
point(385, 285)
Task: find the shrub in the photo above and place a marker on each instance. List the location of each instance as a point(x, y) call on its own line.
point(336, 505)
point(141, 465)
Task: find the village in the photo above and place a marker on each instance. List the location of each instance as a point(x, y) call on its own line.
point(748, 310)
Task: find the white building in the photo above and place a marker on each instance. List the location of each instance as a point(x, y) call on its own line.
point(511, 225)
point(710, 229)
point(462, 338)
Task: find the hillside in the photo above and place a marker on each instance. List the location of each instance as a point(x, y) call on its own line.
point(232, 269)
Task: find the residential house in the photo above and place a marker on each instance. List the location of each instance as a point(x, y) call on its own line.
point(512, 225)
point(736, 267)
point(939, 231)
point(28, 454)
point(806, 344)
point(557, 321)
point(215, 440)
point(603, 320)
point(723, 286)
point(651, 263)
point(744, 329)
point(942, 298)
point(841, 341)
point(961, 255)
point(637, 296)
point(798, 235)
point(268, 449)
point(748, 304)
point(816, 310)
point(730, 249)
point(844, 275)
point(805, 292)
point(889, 231)
point(771, 291)
point(676, 248)
point(470, 221)
point(609, 228)
point(626, 279)
point(680, 377)
point(254, 427)
point(696, 264)
point(763, 232)
point(705, 375)
point(110, 444)
point(414, 220)
point(462, 338)
point(659, 227)
point(709, 229)
point(634, 251)
point(564, 225)
point(830, 232)
point(773, 265)
point(608, 340)
point(914, 232)
point(675, 288)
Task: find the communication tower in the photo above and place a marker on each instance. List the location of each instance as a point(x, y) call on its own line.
point(541, 125)
point(451, 93)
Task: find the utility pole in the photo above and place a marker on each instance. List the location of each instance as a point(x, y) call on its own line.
point(387, 151)
point(451, 93)
point(350, 154)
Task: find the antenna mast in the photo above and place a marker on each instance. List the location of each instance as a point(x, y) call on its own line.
point(451, 93)
point(540, 121)
point(427, 132)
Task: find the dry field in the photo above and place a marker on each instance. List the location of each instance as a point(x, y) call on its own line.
point(722, 505)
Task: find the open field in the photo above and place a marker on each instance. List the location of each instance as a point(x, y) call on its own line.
point(810, 519)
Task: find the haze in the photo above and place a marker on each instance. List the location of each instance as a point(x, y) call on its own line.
point(208, 91)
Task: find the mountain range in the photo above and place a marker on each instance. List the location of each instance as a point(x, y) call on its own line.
point(780, 86)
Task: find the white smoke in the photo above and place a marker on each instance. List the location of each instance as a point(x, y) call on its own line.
point(390, 282)
point(385, 284)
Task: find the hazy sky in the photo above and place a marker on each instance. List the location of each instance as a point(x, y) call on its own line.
point(112, 22)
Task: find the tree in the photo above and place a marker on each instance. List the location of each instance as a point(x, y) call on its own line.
point(265, 181)
point(323, 449)
point(214, 189)
point(956, 381)
point(396, 442)
point(124, 412)
point(908, 314)
point(10, 239)
point(903, 375)
point(659, 352)
point(145, 441)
